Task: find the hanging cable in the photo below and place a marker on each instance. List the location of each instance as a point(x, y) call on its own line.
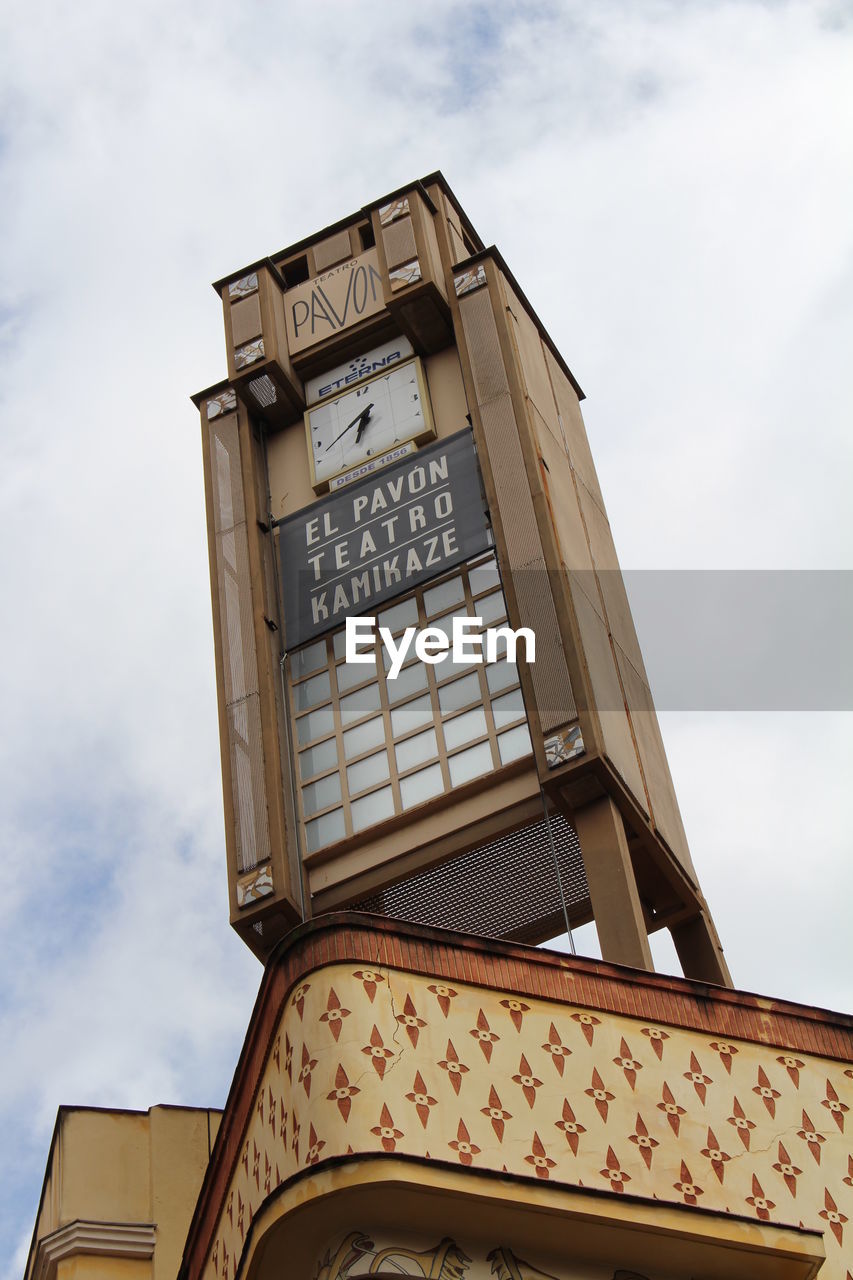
point(553, 848)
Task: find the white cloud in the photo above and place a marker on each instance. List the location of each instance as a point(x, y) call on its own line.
point(671, 185)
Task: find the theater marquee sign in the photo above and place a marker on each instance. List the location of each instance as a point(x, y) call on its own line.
point(330, 303)
point(381, 537)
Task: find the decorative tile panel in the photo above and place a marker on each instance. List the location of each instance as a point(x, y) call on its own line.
point(389, 213)
point(564, 746)
point(243, 287)
point(248, 354)
point(251, 888)
point(409, 273)
point(468, 281)
point(225, 402)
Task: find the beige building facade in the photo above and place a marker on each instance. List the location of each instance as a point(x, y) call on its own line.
point(119, 1191)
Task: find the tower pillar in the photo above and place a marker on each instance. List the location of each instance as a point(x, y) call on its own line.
point(613, 891)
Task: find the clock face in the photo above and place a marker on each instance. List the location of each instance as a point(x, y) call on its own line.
point(368, 420)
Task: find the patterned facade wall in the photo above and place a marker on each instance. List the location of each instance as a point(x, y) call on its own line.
point(380, 1060)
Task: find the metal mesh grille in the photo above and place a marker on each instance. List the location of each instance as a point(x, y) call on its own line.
point(502, 889)
point(263, 389)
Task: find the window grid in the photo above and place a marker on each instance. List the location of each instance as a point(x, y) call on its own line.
point(485, 592)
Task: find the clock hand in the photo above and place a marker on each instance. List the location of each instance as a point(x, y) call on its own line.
point(365, 418)
point(358, 417)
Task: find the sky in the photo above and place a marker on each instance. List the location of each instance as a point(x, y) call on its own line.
point(672, 184)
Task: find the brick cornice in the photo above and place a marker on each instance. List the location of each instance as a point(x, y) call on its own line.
point(351, 937)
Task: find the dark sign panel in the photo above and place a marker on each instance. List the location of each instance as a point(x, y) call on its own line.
point(380, 537)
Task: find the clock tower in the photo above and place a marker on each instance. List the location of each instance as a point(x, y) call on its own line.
point(399, 440)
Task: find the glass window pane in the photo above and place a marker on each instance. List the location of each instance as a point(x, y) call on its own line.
point(404, 614)
point(309, 659)
point(445, 623)
point(470, 764)
point(470, 725)
point(320, 794)
point(317, 724)
point(501, 646)
point(356, 705)
point(312, 692)
point(501, 674)
point(370, 734)
point(339, 643)
point(515, 743)
point(484, 577)
point(318, 758)
point(507, 708)
point(421, 786)
point(415, 750)
point(368, 772)
point(411, 716)
point(353, 673)
point(490, 608)
point(443, 596)
point(453, 696)
point(373, 808)
point(410, 680)
point(325, 830)
point(446, 667)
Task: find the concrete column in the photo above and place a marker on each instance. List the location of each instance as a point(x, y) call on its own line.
point(612, 886)
point(699, 950)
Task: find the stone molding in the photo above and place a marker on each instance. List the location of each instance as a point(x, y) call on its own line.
point(104, 1239)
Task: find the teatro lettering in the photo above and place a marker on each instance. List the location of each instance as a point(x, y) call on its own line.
point(332, 302)
point(381, 536)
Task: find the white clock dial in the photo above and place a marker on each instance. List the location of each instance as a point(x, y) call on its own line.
point(367, 420)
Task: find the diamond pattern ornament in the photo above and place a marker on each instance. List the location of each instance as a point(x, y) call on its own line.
point(741, 1122)
point(656, 1040)
point(410, 1021)
point(558, 1051)
point(463, 1146)
point(789, 1171)
point(484, 1035)
point(539, 1158)
point(628, 1063)
point(766, 1092)
point(643, 1140)
point(671, 1109)
point(570, 1127)
point(836, 1108)
point(377, 1052)
point(528, 1081)
point(343, 1092)
point(697, 1078)
point(370, 980)
point(454, 1068)
point(813, 1140)
point(334, 1014)
point(716, 1155)
point(385, 1130)
point(496, 1113)
point(421, 1099)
